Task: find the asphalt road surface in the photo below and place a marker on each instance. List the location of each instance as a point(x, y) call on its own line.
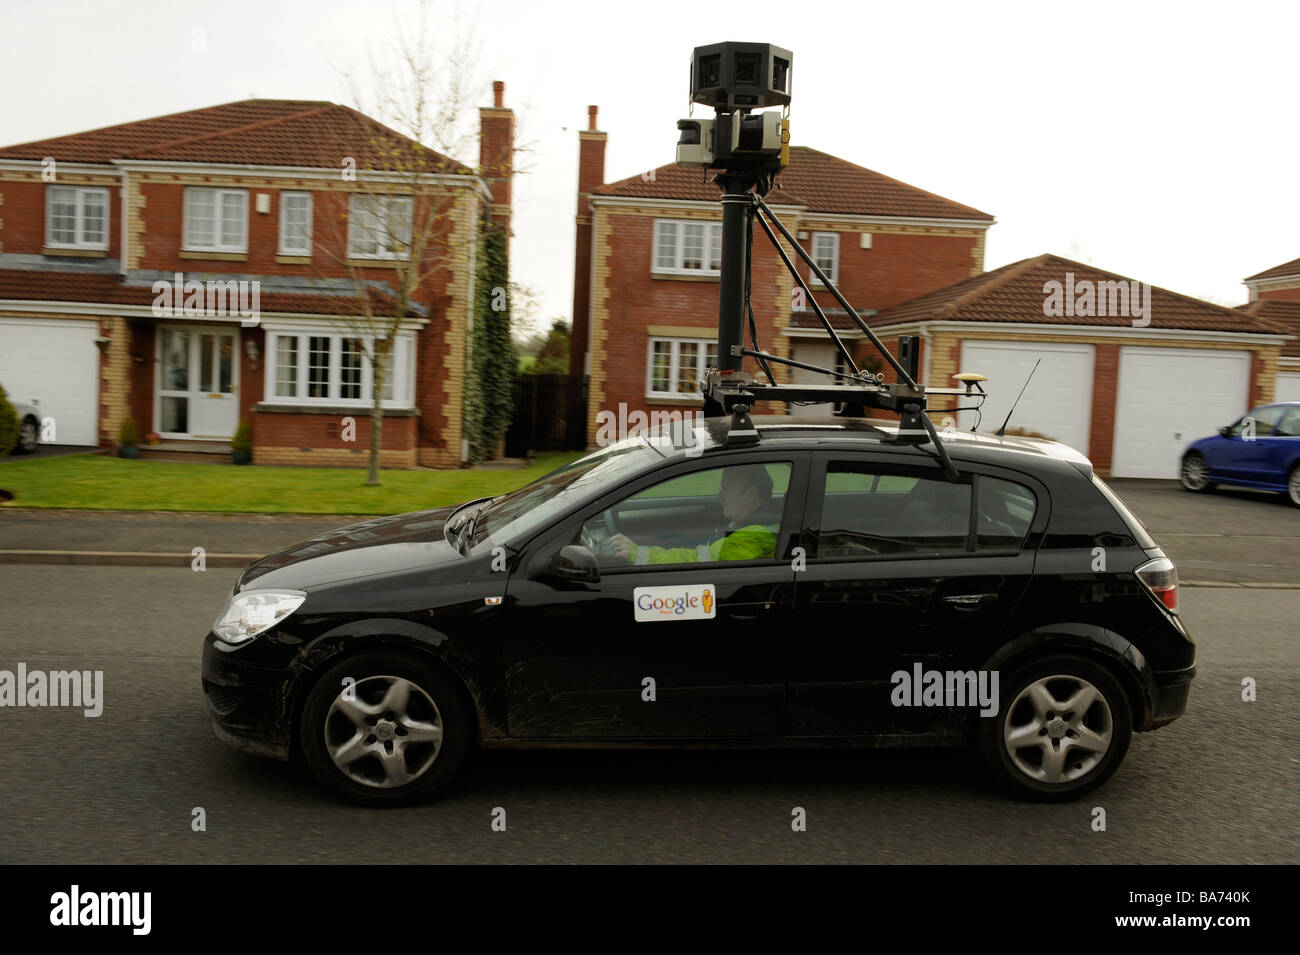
point(1219, 785)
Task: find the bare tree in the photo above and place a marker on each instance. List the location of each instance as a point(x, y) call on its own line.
point(411, 211)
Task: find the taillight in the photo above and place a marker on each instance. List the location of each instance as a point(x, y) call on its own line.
point(1161, 578)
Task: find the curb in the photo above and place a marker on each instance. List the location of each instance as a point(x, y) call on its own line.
point(122, 558)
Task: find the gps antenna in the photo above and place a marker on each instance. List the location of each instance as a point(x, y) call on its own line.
point(1002, 431)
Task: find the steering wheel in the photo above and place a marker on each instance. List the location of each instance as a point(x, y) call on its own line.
point(611, 525)
point(600, 546)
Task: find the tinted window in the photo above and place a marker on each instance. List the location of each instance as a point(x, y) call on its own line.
point(1290, 426)
point(865, 513)
point(1006, 510)
point(1265, 420)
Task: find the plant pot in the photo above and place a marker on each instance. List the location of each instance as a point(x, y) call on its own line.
point(241, 457)
point(128, 451)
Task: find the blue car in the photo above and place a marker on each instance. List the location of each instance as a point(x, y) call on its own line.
point(1260, 450)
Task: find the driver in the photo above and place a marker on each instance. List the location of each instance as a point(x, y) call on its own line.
point(746, 497)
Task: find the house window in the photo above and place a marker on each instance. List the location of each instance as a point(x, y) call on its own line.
point(320, 367)
point(826, 253)
point(295, 223)
point(216, 220)
point(76, 217)
point(676, 366)
point(379, 227)
point(683, 247)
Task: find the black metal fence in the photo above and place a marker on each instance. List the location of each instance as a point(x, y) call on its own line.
point(550, 415)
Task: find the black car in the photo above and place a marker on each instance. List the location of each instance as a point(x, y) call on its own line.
point(820, 584)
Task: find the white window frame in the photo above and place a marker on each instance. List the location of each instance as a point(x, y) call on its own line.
point(674, 365)
point(284, 203)
point(385, 202)
point(401, 375)
point(218, 220)
point(79, 220)
point(711, 229)
point(833, 273)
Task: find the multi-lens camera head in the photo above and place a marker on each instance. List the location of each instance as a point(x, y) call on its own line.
point(736, 79)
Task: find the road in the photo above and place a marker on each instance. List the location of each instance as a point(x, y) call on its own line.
point(1219, 785)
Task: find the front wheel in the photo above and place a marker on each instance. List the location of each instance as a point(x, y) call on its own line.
point(1195, 472)
point(385, 729)
point(1062, 729)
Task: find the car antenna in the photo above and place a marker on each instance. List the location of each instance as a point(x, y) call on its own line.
point(1002, 431)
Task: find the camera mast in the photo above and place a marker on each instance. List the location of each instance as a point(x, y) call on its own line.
point(750, 145)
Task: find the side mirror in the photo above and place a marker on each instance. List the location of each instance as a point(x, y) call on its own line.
point(1225, 431)
point(575, 562)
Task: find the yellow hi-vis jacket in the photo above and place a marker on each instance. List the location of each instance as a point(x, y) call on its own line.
point(752, 542)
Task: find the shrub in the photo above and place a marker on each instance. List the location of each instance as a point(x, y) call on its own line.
point(128, 436)
point(8, 424)
point(243, 439)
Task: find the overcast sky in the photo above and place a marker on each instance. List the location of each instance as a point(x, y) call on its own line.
point(1156, 140)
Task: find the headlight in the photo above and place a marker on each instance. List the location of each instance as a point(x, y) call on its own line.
point(254, 612)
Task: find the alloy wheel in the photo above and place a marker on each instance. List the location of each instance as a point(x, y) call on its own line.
point(1195, 473)
point(383, 731)
point(1058, 729)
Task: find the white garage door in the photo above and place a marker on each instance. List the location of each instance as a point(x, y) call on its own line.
point(1058, 401)
point(823, 354)
point(54, 364)
point(1170, 397)
point(1288, 386)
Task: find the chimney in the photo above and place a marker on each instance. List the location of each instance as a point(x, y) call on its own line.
point(591, 173)
point(496, 150)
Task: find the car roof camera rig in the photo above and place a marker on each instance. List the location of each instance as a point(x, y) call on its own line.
point(749, 144)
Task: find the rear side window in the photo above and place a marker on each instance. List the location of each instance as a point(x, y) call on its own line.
point(1006, 510)
point(867, 513)
point(1290, 426)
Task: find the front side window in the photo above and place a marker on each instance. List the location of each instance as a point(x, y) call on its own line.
point(216, 220)
point(295, 223)
point(826, 253)
point(1265, 420)
point(379, 227)
point(687, 247)
point(716, 515)
point(76, 217)
point(676, 366)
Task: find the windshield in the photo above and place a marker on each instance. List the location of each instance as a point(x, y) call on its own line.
point(518, 513)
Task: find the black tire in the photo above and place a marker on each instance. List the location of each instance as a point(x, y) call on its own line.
point(1193, 473)
point(1114, 717)
point(28, 436)
point(375, 673)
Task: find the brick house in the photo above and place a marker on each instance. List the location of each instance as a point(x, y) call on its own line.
point(1275, 298)
point(281, 202)
point(1130, 373)
point(645, 302)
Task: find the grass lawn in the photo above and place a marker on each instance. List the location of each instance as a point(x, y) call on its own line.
point(98, 482)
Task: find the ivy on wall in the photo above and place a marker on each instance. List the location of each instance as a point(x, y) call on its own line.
point(489, 392)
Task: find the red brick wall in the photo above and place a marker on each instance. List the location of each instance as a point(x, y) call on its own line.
point(1105, 391)
point(896, 268)
point(324, 431)
point(143, 342)
point(1280, 294)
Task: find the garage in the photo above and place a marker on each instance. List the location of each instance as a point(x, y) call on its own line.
point(1169, 397)
point(54, 364)
point(1288, 386)
point(1058, 400)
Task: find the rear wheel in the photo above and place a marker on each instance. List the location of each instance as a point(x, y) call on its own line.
point(1293, 486)
point(385, 729)
point(1195, 472)
point(1063, 727)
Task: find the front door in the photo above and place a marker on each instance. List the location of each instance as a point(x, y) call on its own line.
point(614, 659)
point(198, 382)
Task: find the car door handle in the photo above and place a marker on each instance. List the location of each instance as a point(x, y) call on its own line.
point(970, 601)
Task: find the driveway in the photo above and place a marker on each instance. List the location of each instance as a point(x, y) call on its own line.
point(1249, 537)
